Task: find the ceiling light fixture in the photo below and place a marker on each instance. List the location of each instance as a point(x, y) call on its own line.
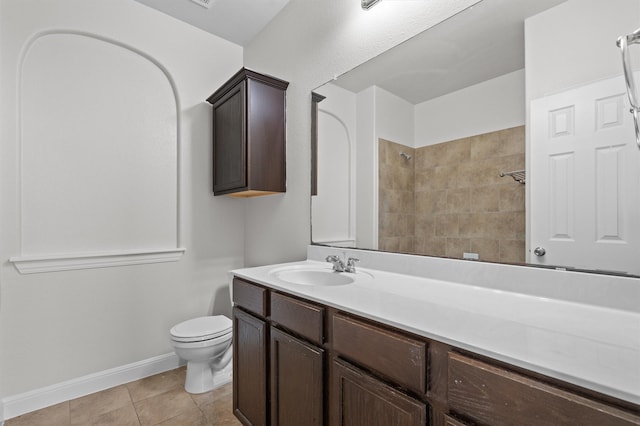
point(368, 4)
point(204, 3)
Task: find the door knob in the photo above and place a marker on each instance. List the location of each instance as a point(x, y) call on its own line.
point(539, 251)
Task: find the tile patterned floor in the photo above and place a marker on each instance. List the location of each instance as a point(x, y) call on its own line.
point(155, 400)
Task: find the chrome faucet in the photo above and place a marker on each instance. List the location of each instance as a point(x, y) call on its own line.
point(351, 265)
point(339, 265)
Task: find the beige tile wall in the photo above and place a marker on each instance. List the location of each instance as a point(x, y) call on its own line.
point(396, 216)
point(457, 202)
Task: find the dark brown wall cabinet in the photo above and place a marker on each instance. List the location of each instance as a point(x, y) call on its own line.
point(249, 135)
point(320, 366)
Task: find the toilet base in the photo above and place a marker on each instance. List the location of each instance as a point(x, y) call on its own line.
point(201, 378)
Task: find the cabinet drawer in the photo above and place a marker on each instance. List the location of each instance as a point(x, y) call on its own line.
point(497, 396)
point(399, 358)
point(303, 318)
point(250, 296)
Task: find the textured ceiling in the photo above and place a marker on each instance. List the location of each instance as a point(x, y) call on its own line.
point(483, 42)
point(238, 21)
point(480, 43)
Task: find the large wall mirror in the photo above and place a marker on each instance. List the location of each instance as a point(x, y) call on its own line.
point(502, 134)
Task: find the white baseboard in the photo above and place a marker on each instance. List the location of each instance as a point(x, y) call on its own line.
point(27, 402)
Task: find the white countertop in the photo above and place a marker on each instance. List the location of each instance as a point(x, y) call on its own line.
point(593, 346)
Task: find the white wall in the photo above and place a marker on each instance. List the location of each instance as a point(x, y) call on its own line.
point(557, 59)
point(485, 107)
point(62, 325)
point(394, 118)
point(307, 44)
point(76, 97)
point(2, 204)
point(366, 171)
point(381, 114)
point(333, 208)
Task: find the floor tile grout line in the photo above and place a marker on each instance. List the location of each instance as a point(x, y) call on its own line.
point(133, 405)
point(173, 387)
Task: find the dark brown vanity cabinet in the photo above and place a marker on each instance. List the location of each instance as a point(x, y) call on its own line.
point(279, 379)
point(360, 399)
point(249, 135)
point(297, 362)
point(370, 367)
point(249, 368)
point(250, 346)
point(492, 394)
point(297, 369)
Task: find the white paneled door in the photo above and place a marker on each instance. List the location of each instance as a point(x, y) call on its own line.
point(584, 180)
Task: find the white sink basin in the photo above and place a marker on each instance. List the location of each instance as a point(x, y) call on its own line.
point(316, 276)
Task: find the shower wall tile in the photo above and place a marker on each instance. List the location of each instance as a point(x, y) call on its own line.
point(485, 199)
point(459, 200)
point(511, 198)
point(388, 244)
point(406, 245)
point(447, 225)
point(449, 198)
point(510, 251)
point(439, 177)
point(490, 248)
point(464, 203)
point(425, 226)
point(456, 247)
point(397, 244)
point(397, 224)
point(474, 225)
point(396, 197)
point(485, 146)
point(520, 225)
point(432, 246)
point(431, 202)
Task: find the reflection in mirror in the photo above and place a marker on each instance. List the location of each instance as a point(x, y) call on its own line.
point(447, 145)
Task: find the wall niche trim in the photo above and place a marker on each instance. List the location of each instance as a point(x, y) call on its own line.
point(55, 263)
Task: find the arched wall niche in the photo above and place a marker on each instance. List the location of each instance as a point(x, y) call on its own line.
point(99, 161)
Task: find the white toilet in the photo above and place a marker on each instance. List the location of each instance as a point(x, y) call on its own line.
point(205, 343)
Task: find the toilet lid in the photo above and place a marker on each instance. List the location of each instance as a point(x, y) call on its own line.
point(201, 328)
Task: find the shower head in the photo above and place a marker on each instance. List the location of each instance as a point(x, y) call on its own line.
point(405, 156)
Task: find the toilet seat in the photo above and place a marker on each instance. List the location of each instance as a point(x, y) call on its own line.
point(201, 329)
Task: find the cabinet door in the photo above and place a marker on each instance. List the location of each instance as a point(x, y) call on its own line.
point(249, 368)
point(450, 421)
point(358, 399)
point(229, 141)
point(266, 137)
point(296, 381)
